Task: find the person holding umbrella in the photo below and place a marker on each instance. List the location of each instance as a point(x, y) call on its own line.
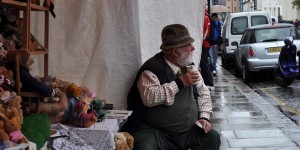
point(213, 52)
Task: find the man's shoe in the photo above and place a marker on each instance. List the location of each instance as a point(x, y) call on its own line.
point(214, 72)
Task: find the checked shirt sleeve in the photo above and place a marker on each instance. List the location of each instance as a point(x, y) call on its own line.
point(153, 93)
point(204, 100)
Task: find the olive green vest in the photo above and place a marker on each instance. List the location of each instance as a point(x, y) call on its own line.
point(177, 118)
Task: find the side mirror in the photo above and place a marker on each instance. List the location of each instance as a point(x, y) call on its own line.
point(234, 43)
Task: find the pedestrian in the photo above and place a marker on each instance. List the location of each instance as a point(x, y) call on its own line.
point(167, 102)
point(213, 51)
point(204, 62)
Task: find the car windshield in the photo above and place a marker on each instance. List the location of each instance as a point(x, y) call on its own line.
point(272, 34)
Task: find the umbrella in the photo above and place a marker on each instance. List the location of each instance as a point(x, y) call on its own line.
point(219, 9)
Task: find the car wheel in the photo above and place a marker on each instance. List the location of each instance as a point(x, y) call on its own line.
point(247, 75)
point(280, 79)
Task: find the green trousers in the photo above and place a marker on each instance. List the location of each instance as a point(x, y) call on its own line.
point(148, 138)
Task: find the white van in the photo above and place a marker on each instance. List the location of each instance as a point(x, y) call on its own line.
point(233, 29)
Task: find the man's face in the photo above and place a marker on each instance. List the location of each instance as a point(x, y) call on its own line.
point(214, 18)
point(185, 55)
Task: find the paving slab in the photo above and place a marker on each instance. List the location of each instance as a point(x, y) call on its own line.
point(261, 142)
point(246, 121)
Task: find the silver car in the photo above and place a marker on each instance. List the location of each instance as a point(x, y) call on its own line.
point(259, 48)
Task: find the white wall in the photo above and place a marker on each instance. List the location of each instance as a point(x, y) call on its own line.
point(154, 15)
point(271, 6)
point(102, 43)
point(288, 12)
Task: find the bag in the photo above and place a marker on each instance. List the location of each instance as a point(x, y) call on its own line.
point(211, 40)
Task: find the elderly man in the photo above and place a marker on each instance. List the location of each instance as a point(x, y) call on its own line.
point(168, 101)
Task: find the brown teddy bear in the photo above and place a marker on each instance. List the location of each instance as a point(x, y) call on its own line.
point(74, 90)
point(2, 110)
point(124, 141)
point(13, 108)
point(13, 128)
point(60, 84)
point(4, 140)
point(55, 82)
point(52, 109)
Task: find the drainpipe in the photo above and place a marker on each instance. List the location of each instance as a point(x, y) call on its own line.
point(241, 6)
point(208, 6)
point(232, 6)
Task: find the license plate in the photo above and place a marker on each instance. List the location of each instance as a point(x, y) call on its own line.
point(274, 49)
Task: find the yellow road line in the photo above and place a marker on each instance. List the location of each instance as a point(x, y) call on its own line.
point(291, 109)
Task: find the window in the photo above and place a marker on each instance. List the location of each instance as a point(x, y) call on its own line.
point(244, 37)
point(258, 20)
point(255, 4)
point(251, 38)
point(238, 25)
point(272, 34)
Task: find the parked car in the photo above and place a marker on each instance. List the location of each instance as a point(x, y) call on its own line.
point(233, 29)
point(259, 48)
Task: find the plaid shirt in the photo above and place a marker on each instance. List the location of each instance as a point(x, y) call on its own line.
point(153, 93)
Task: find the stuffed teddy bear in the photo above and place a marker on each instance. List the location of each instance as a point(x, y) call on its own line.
point(74, 90)
point(74, 93)
point(85, 118)
point(2, 110)
point(87, 93)
point(8, 75)
point(123, 141)
point(97, 105)
point(54, 82)
point(60, 84)
point(4, 140)
point(13, 108)
point(52, 109)
point(13, 128)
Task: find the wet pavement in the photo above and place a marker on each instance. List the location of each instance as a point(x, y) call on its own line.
point(246, 121)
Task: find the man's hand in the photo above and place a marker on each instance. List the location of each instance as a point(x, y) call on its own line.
point(205, 124)
point(190, 78)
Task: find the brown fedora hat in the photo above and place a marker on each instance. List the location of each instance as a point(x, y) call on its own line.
point(175, 35)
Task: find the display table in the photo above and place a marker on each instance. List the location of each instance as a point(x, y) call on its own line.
point(99, 136)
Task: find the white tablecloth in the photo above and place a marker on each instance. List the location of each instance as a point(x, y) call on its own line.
point(99, 136)
point(29, 146)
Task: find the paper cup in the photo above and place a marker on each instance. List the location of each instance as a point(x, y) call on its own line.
point(191, 68)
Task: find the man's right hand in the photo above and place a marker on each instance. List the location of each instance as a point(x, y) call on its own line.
point(190, 78)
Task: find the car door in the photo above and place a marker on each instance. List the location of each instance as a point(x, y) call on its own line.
point(244, 44)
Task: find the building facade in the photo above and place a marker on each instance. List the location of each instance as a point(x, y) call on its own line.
point(279, 9)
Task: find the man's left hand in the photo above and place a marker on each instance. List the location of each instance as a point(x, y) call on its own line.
point(206, 125)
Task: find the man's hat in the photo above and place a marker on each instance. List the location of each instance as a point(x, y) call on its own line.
point(175, 35)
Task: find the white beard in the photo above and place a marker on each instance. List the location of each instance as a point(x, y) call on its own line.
point(185, 59)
